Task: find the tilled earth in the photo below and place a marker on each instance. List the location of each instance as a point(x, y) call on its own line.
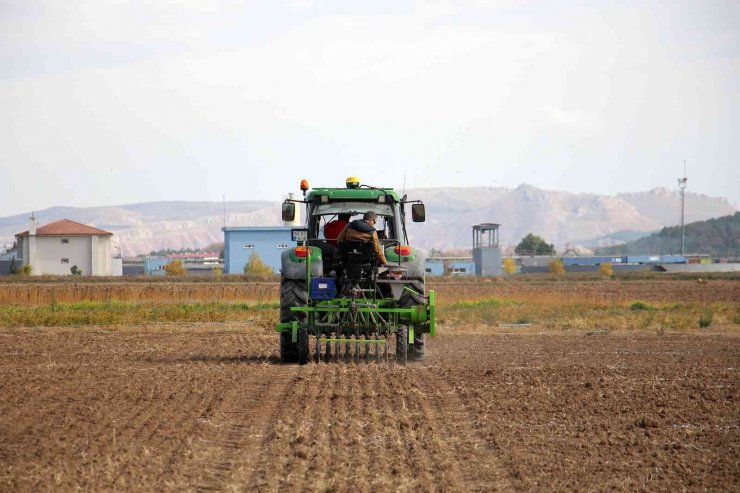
point(207, 407)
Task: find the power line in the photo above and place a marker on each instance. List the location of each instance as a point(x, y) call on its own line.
point(682, 186)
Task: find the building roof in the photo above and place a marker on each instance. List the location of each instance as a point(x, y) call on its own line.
point(203, 255)
point(258, 228)
point(65, 227)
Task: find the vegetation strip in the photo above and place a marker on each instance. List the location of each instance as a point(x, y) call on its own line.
point(114, 312)
point(560, 312)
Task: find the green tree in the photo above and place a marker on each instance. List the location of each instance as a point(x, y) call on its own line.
point(13, 269)
point(534, 245)
point(75, 270)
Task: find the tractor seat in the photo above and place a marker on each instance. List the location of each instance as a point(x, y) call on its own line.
point(358, 259)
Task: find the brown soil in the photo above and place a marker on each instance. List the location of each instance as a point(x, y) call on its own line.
point(207, 407)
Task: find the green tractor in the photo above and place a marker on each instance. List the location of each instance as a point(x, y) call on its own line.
point(337, 303)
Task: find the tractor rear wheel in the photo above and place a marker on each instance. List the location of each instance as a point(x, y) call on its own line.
point(418, 345)
point(402, 345)
point(292, 293)
point(408, 300)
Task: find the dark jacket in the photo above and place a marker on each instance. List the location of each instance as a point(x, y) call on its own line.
point(359, 229)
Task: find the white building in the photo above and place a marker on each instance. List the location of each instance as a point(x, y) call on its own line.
point(53, 249)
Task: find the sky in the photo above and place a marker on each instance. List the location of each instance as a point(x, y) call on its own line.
point(117, 102)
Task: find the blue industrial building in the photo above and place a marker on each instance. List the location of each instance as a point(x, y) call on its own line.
point(266, 241)
point(625, 259)
point(455, 266)
point(434, 267)
point(154, 266)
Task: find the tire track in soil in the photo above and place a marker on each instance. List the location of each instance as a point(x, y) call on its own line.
point(320, 432)
point(294, 462)
point(237, 432)
point(336, 411)
point(432, 463)
point(365, 428)
point(477, 465)
point(299, 429)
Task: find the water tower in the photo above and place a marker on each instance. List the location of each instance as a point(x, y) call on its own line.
point(486, 253)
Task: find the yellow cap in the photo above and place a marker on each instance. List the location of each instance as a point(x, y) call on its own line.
point(353, 182)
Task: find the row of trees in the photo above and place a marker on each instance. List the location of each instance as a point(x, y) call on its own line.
point(556, 266)
point(171, 251)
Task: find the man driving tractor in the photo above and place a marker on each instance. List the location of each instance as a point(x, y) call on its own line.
point(364, 230)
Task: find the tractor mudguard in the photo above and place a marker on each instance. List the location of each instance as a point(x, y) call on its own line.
point(293, 268)
point(416, 267)
point(414, 263)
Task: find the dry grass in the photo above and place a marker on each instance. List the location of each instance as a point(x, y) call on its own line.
point(588, 305)
point(566, 312)
point(122, 312)
point(31, 294)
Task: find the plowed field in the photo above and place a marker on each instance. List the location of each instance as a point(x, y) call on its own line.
point(207, 407)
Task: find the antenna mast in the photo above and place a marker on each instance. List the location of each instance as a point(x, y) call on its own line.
point(682, 186)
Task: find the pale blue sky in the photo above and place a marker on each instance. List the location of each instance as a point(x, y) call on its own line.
point(112, 102)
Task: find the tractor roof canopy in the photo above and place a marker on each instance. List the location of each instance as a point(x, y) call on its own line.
point(332, 208)
point(364, 194)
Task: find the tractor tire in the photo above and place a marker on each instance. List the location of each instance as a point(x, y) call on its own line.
point(302, 345)
point(402, 345)
point(408, 300)
point(292, 293)
point(418, 345)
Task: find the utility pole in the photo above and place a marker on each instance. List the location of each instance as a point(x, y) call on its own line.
point(682, 186)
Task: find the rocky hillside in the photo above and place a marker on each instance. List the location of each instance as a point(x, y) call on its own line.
point(716, 237)
point(562, 218)
point(142, 228)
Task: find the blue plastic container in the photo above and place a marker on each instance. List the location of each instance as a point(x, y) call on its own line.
point(323, 288)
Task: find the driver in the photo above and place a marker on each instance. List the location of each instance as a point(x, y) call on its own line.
point(364, 230)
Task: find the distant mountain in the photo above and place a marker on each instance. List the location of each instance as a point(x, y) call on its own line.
point(717, 237)
point(146, 227)
point(561, 218)
point(613, 239)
